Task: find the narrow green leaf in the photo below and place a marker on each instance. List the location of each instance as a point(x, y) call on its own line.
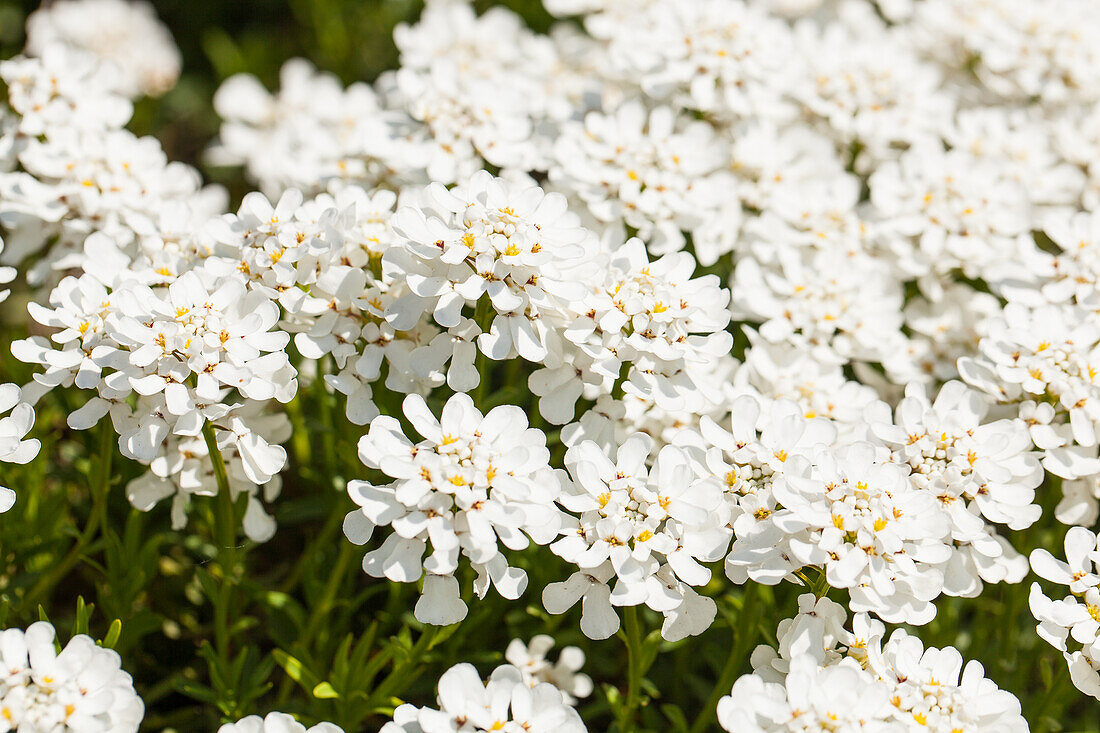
point(325, 691)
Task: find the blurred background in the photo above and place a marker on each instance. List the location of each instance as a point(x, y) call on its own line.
point(218, 38)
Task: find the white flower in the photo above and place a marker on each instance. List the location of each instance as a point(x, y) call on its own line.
point(746, 460)
point(869, 529)
point(813, 379)
point(312, 132)
point(655, 527)
point(276, 723)
point(729, 58)
point(941, 331)
point(81, 688)
point(977, 470)
point(465, 120)
point(471, 481)
point(936, 691)
point(14, 445)
point(598, 619)
point(846, 303)
point(1018, 50)
point(1081, 572)
point(1080, 504)
point(652, 317)
point(64, 87)
point(1075, 619)
point(796, 498)
point(833, 675)
point(870, 86)
point(530, 659)
point(504, 703)
point(183, 347)
point(944, 210)
point(249, 445)
point(515, 246)
point(1048, 352)
point(1036, 277)
point(124, 32)
point(840, 697)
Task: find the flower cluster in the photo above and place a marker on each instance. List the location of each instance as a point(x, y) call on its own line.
point(823, 676)
point(505, 702)
point(1072, 624)
point(81, 688)
point(472, 481)
point(649, 529)
point(530, 659)
point(126, 33)
point(15, 447)
point(276, 723)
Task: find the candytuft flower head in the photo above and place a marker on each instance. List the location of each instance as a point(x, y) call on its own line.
point(81, 688)
point(123, 32)
point(823, 674)
point(650, 529)
point(503, 703)
point(276, 723)
point(530, 659)
point(473, 481)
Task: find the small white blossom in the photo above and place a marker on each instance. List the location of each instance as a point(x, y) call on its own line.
point(565, 674)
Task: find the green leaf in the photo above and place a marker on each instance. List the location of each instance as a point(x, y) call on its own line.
point(197, 692)
point(325, 691)
point(296, 670)
point(83, 616)
point(675, 716)
point(113, 634)
point(650, 647)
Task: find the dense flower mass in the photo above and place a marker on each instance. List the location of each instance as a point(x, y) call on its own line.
point(659, 317)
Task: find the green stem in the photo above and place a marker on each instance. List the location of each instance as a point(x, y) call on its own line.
point(400, 673)
point(100, 488)
point(1057, 686)
point(321, 608)
point(328, 595)
point(744, 634)
point(328, 423)
point(633, 639)
point(225, 520)
point(617, 389)
point(819, 587)
point(225, 531)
